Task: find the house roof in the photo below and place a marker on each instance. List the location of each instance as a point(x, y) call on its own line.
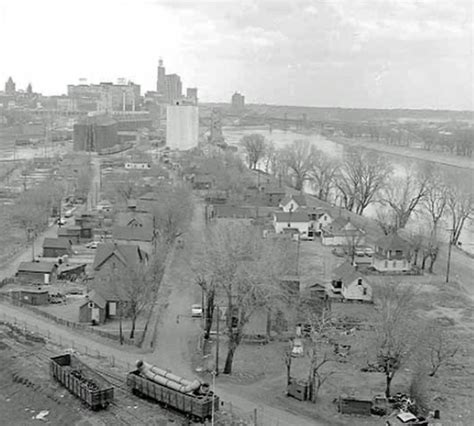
point(94, 296)
point(56, 243)
point(134, 220)
point(129, 254)
point(298, 199)
point(392, 242)
point(133, 233)
point(297, 216)
point(347, 273)
point(43, 267)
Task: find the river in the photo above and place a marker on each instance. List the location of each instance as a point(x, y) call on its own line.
point(281, 138)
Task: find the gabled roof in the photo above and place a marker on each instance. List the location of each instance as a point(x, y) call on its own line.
point(129, 254)
point(293, 217)
point(42, 267)
point(347, 273)
point(56, 243)
point(94, 296)
point(133, 233)
point(298, 199)
point(393, 242)
point(134, 219)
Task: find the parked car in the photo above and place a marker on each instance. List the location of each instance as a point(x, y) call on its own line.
point(61, 221)
point(297, 349)
point(196, 311)
point(369, 251)
point(92, 245)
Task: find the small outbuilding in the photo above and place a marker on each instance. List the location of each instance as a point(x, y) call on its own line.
point(93, 310)
point(40, 272)
point(31, 296)
point(56, 247)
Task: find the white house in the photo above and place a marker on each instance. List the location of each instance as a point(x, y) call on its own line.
point(392, 254)
point(341, 232)
point(351, 284)
point(291, 203)
point(291, 220)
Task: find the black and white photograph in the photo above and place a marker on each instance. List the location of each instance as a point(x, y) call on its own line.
point(236, 212)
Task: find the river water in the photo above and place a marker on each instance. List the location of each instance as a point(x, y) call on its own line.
point(400, 165)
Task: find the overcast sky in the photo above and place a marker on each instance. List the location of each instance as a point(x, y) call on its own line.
point(348, 53)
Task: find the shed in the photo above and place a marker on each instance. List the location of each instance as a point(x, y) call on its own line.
point(93, 309)
point(31, 296)
point(355, 404)
point(55, 247)
point(70, 233)
point(42, 272)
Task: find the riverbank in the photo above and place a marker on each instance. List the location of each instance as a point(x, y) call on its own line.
point(401, 151)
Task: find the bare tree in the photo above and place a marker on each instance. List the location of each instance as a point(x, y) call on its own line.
point(435, 202)
point(255, 146)
point(403, 195)
point(441, 346)
point(246, 269)
point(319, 351)
point(362, 176)
point(173, 212)
point(393, 338)
point(208, 287)
point(460, 204)
point(298, 157)
point(322, 173)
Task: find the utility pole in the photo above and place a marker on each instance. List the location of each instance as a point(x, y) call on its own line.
point(451, 238)
point(217, 340)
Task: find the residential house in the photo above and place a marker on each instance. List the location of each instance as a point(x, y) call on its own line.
point(350, 284)
point(273, 195)
point(93, 309)
point(392, 254)
point(38, 272)
point(134, 219)
point(56, 247)
point(342, 232)
point(291, 203)
point(143, 236)
point(70, 233)
point(110, 259)
point(296, 220)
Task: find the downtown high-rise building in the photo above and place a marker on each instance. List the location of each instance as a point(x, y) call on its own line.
point(168, 86)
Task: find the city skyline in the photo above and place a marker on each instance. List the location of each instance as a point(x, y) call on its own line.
point(363, 54)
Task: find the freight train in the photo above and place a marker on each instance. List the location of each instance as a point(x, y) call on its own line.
point(192, 398)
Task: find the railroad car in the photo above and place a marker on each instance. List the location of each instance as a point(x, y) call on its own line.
point(192, 398)
point(81, 381)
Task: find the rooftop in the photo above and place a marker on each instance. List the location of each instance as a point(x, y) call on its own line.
point(44, 267)
point(129, 254)
point(56, 243)
point(393, 242)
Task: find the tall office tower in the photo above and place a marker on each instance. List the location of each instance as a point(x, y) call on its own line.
point(160, 82)
point(10, 87)
point(174, 88)
point(238, 101)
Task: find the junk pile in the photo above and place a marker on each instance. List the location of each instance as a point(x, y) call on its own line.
point(90, 384)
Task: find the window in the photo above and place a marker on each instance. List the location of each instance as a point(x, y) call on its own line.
point(394, 264)
point(364, 292)
point(386, 264)
point(359, 281)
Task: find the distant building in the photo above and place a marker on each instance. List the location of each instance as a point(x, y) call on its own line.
point(95, 134)
point(10, 87)
point(168, 86)
point(392, 254)
point(192, 95)
point(238, 101)
point(182, 126)
point(108, 96)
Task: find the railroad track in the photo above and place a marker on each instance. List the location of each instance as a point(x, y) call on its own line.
point(118, 412)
